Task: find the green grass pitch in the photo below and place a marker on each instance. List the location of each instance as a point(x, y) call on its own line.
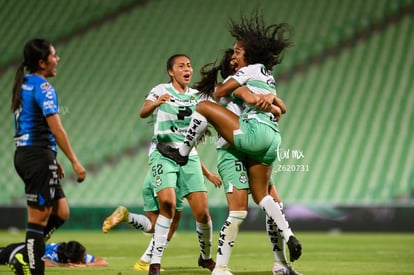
point(323, 253)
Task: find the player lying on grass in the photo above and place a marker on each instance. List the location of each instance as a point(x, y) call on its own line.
point(70, 253)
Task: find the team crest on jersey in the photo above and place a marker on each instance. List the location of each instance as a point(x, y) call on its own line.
point(193, 100)
point(158, 181)
point(243, 178)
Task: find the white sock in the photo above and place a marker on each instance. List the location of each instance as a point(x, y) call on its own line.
point(227, 237)
point(198, 125)
point(146, 257)
point(162, 227)
point(276, 240)
point(139, 222)
point(205, 238)
point(273, 210)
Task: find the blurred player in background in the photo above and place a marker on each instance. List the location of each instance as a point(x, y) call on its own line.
point(38, 131)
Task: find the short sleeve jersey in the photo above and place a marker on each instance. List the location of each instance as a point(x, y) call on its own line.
point(257, 78)
point(38, 100)
point(52, 249)
point(172, 118)
point(233, 104)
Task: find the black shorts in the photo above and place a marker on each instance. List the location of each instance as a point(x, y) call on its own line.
point(38, 169)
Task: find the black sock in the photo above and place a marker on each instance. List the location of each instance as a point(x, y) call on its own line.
point(35, 246)
point(53, 223)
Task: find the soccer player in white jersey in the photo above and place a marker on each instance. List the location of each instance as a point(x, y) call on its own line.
point(146, 222)
point(231, 166)
point(256, 131)
point(172, 105)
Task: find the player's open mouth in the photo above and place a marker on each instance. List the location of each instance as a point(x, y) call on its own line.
point(186, 76)
point(235, 67)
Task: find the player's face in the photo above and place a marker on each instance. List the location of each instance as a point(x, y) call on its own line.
point(181, 72)
point(49, 67)
point(238, 59)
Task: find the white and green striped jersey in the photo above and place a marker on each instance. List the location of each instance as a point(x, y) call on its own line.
point(233, 104)
point(172, 119)
point(259, 80)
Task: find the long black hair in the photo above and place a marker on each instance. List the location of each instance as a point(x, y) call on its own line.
point(262, 44)
point(34, 51)
point(210, 71)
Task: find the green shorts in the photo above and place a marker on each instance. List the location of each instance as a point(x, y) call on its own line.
point(258, 140)
point(184, 179)
point(190, 178)
point(150, 197)
point(232, 169)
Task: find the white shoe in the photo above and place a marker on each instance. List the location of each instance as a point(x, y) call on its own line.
point(282, 269)
point(221, 271)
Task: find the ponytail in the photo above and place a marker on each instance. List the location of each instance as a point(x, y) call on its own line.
point(33, 51)
point(208, 80)
point(17, 86)
point(209, 73)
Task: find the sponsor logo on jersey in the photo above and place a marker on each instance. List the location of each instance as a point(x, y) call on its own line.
point(49, 104)
point(45, 86)
point(27, 87)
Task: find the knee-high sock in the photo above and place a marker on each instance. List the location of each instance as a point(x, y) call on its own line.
point(35, 247)
point(198, 125)
point(276, 240)
point(140, 222)
point(53, 224)
point(205, 238)
point(162, 227)
point(227, 237)
point(274, 211)
point(146, 257)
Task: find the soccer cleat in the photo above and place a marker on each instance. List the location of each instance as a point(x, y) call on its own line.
point(209, 263)
point(172, 153)
point(154, 269)
point(141, 265)
point(221, 271)
point(284, 269)
point(18, 266)
point(119, 215)
point(280, 269)
point(295, 248)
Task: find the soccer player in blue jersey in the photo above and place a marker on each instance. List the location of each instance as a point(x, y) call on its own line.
point(71, 253)
point(38, 132)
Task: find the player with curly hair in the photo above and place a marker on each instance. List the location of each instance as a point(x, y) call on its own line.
point(255, 132)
